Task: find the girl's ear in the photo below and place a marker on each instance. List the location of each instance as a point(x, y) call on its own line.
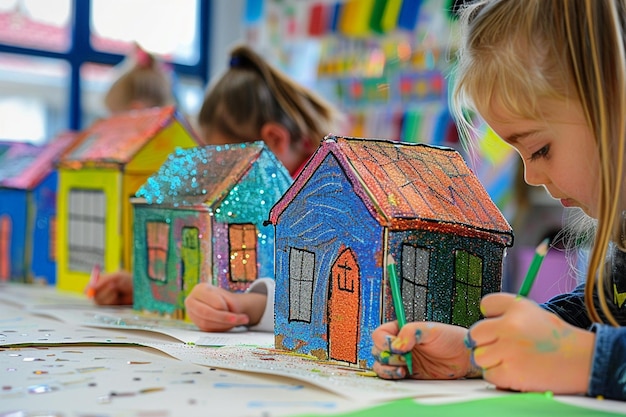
point(277, 139)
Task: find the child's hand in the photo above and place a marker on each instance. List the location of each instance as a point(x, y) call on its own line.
point(522, 347)
point(214, 309)
point(439, 351)
point(113, 289)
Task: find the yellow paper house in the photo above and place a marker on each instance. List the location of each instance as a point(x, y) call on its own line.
point(97, 177)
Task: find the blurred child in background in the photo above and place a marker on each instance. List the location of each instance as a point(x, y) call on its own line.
point(144, 82)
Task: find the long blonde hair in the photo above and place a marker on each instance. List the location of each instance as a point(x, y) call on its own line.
point(528, 50)
point(252, 92)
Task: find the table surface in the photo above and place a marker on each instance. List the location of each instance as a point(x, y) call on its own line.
point(60, 355)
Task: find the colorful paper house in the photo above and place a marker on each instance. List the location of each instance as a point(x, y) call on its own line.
point(28, 186)
point(201, 218)
point(97, 178)
point(357, 201)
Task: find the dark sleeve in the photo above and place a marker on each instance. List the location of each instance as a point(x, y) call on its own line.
point(570, 307)
point(608, 367)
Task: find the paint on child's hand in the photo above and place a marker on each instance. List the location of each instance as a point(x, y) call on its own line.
point(399, 345)
point(469, 343)
point(475, 353)
point(418, 336)
point(389, 340)
point(383, 357)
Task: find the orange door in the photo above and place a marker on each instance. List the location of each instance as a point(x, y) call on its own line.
point(344, 308)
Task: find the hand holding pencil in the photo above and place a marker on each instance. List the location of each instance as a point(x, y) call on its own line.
point(522, 346)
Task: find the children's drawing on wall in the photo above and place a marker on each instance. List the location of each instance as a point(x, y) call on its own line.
point(201, 218)
point(358, 200)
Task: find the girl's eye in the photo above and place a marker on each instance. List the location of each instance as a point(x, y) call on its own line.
point(541, 153)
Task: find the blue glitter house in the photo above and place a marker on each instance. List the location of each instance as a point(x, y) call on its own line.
point(200, 218)
point(358, 201)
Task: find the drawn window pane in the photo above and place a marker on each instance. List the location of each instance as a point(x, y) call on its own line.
point(467, 289)
point(301, 274)
point(414, 283)
point(243, 256)
point(5, 247)
point(86, 229)
point(157, 236)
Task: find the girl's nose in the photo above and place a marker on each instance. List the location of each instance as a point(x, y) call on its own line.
point(533, 176)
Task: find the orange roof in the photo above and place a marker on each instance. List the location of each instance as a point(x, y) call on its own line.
point(407, 185)
point(115, 140)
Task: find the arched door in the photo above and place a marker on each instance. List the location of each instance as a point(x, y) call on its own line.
point(344, 308)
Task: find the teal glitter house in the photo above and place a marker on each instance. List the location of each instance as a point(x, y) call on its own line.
point(200, 219)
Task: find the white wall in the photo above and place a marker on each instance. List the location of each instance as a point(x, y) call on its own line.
point(227, 29)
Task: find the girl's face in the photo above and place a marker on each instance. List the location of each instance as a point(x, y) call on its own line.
point(559, 151)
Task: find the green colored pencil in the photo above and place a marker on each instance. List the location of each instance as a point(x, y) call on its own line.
point(533, 269)
point(397, 304)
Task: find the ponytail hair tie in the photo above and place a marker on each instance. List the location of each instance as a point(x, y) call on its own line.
point(238, 61)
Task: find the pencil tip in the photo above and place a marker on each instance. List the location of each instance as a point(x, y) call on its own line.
point(390, 259)
point(543, 247)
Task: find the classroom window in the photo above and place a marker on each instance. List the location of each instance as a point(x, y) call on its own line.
point(157, 236)
point(415, 264)
point(301, 274)
point(58, 58)
point(468, 270)
point(243, 252)
point(47, 23)
point(115, 32)
point(86, 229)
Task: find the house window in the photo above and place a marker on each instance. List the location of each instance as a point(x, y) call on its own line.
point(86, 229)
point(243, 257)
point(468, 270)
point(157, 239)
point(301, 270)
point(5, 247)
point(415, 265)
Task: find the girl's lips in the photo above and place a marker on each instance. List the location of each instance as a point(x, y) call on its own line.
point(566, 202)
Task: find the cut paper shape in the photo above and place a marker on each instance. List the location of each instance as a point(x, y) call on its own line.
point(355, 202)
point(517, 405)
point(97, 177)
point(200, 218)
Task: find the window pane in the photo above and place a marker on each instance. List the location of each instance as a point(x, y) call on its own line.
point(33, 97)
point(95, 80)
point(40, 24)
point(167, 28)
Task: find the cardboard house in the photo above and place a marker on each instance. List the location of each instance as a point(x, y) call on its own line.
point(201, 218)
point(97, 178)
point(356, 202)
point(28, 187)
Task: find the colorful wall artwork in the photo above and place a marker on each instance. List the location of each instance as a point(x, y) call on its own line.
point(201, 218)
point(357, 201)
point(97, 178)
